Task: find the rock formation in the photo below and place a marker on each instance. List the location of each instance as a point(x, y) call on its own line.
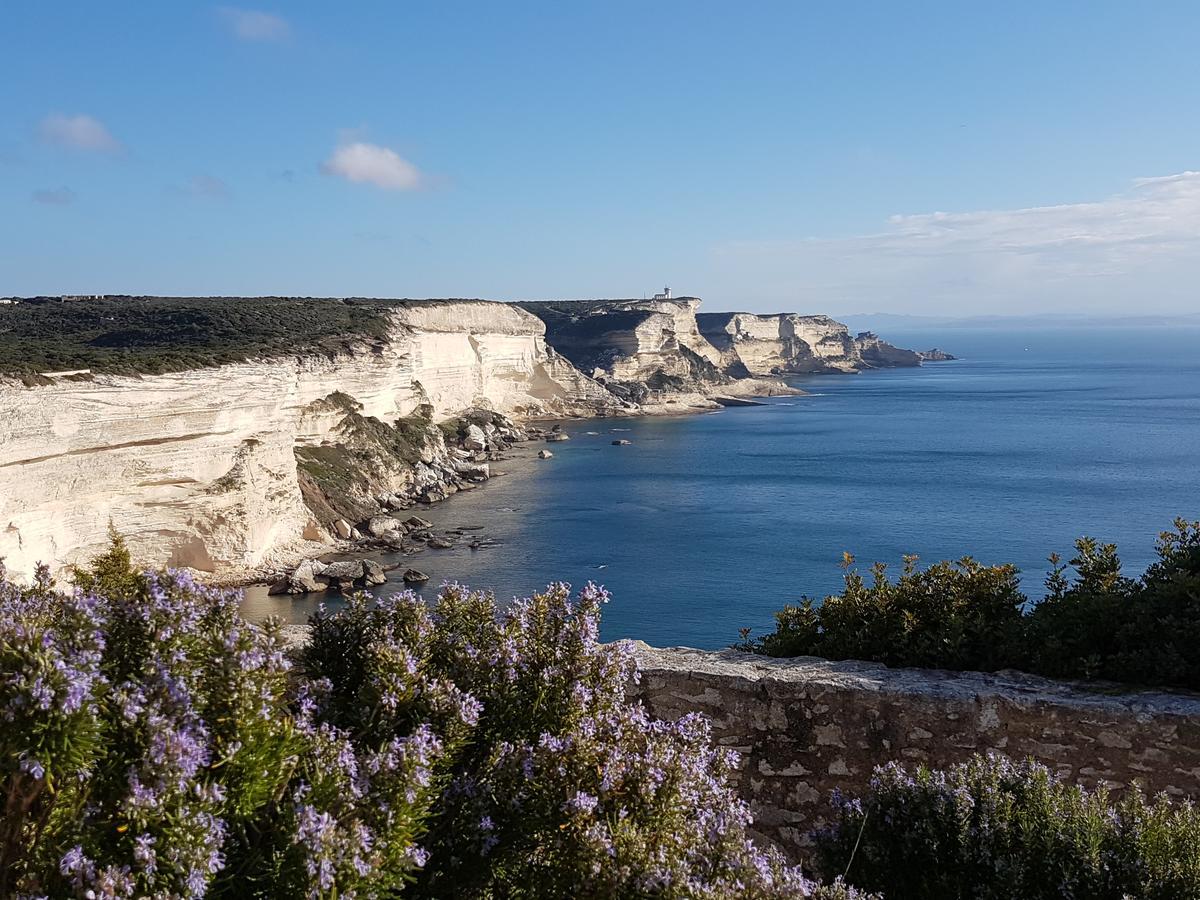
point(790, 343)
point(935, 355)
point(200, 468)
point(237, 466)
point(654, 351)
point(639, 349)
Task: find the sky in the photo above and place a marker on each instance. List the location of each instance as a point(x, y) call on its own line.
point(837, 157)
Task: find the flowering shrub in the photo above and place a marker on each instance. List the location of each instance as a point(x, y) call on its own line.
point(997, 830)
point(966, 615)
point(154, 744)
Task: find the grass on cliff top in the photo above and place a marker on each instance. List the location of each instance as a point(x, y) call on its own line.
point(150, 335)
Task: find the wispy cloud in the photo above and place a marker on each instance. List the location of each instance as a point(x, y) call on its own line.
point(254, 25)
point(1138, 246)
point(61, 196)
point(209, 186)
point(80, 132)
point(365, 163)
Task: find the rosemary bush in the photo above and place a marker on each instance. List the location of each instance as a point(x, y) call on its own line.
point(991, 829)
point(154, 744)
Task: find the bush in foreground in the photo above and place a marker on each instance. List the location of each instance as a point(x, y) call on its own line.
point(990, 829)
point(153, 743)
point(966, 615)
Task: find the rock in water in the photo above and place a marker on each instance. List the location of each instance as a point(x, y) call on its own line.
point(416, 523)
point(373, 573)
point(935, 355)
point(621, 442)
point(545, 454)
point(437, 542)
point(304, 579)
point(413, 576)
point(558, 436)
point(301, 581)
point(347, 570)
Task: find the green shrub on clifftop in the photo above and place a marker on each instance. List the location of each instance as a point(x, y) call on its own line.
point(1097, 624)
point(990, 829)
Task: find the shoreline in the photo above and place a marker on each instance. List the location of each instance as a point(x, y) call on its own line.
point(287, 557)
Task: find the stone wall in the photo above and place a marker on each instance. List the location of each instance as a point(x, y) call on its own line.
point(805, 726)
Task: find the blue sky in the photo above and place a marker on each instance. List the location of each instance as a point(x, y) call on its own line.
point(835, 157)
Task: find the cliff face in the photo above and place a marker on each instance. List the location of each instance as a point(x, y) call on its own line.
point(650, 349)
point(199, 468)
point(228, 467)
point(764, 345)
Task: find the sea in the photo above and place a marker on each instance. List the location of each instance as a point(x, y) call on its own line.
point(707, 524)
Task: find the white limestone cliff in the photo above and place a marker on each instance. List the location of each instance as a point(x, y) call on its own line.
point(198, 468)
point(792, 343)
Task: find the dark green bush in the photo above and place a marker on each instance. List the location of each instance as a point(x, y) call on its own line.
point(990, 829)
point(1092, 624)
point(151, 335)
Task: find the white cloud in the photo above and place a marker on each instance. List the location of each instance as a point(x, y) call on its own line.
point(253, 25)
point(365, 163)
point(62, 196)
point(1137, 249)
point(81, 132)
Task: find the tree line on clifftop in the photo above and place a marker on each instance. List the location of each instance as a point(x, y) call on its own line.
point(1094, 623)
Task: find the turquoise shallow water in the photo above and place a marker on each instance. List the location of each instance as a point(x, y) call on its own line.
point(709, 523)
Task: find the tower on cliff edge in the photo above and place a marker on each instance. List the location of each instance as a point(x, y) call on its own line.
point(665, 295)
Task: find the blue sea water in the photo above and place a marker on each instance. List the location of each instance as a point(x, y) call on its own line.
point(709, 523)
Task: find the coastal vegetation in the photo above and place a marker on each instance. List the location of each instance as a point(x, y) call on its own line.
point(154, 743)
point(150, 335)
point(157, 744)
point(991, 829)
point(1094, 623)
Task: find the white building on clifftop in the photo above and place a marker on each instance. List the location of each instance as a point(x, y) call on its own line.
point(665, 295)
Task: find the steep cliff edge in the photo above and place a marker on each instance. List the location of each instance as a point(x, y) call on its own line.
point(791, 343)
point(223, 433)
point(199, 467)
point(648, 351)
point(655, 350)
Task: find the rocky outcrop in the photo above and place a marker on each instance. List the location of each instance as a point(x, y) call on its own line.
point(199, 468)
point(313, 575)
point(649, 351)
point(790, 343)
point(639, 349)
point(805, 726)
point(935, 355)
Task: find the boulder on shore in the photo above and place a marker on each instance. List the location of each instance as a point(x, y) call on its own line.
point(416, 523)
point(342, 529)
point(378, 526)
point(475, 439)
point(414, 576)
